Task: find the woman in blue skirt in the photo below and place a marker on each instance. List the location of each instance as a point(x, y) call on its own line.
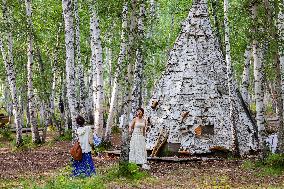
point(84, 167)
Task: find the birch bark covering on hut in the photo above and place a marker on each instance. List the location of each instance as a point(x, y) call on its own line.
point(191, 100)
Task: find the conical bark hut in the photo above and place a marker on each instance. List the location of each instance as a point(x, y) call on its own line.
point(190, 104)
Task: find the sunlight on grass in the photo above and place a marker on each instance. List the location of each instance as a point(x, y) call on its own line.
point(106, 177)
point(273, 165)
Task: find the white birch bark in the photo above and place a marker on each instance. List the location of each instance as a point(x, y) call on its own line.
point(231, 84)
point(258, 84)
point(11, 76)
point(116, 87)
point(109, 64)
point(152, 8)
point(91, 94)
point(31, 96)
point(136, 100)
point(96, 49)
point(10, 72)
point(280, 145)
point(245, 76)
point(70, 67)
point(79, 65)
point(54, 77)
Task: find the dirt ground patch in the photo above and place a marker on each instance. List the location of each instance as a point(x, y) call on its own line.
point(48, 159)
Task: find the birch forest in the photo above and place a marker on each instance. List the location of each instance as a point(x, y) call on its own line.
point(208, 73)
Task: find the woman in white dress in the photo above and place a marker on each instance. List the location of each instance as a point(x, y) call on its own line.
point(137, 127)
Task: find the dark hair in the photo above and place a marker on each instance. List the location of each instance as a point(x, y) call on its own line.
point(142, 110)
point(80, 120)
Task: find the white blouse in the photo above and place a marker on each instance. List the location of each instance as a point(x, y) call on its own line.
point(84, 135)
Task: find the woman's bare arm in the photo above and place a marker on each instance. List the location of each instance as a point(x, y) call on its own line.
point(131, 126)
point(144, 129)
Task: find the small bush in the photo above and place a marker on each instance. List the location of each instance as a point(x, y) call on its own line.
point(104, 145)
point(67, 136)
point(272, 165)
point(275, 161)
point(6, 133)
point(26, 144)
point(115, 130)
point(248, 165)
point(130, 171)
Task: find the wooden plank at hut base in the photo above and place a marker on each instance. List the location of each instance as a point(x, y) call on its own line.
point(177, 159)
point(112, 152)
point(163, 136)
point(25, 130)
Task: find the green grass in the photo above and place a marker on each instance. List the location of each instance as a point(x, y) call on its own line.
point(273, 165)
point(62, 180)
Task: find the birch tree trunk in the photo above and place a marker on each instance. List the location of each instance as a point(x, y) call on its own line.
point(231, 84)
point(11, 75)
point(70, 67)
point(91, 96)
point(245, 77)
point(9, 66)
point(109, 64)
point(98, 66)
point(280, 145)
point(136, 100)
point(128, 89)
point(258, 83)
point(217, 27)
point(79, 65)
point(31, 96)
point(121, 58)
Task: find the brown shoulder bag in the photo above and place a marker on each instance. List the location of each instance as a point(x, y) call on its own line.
point(76, 151)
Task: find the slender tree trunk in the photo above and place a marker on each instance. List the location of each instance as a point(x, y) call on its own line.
point(136, 100)
point(121, 57)
point(80, 68)
point(55, 76)
point(215, 5)
point(280, 145)
point(70, 67)
point(46, 121)
point(90, 101)
point(12, 83)
point(231, 84)
point(152, 8)
point(128, 89)
point(109, 63)
point(245, 78)
point(31, 96)
point(258, 84)
point(11, 76)
point(96, 48)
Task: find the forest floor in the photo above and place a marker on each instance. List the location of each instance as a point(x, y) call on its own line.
point(44, 162)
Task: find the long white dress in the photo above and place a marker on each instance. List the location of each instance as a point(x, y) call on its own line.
point(138, 153)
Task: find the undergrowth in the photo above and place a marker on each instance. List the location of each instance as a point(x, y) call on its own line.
point(272, 165)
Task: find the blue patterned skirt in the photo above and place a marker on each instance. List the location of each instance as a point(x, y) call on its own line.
point(85, 167)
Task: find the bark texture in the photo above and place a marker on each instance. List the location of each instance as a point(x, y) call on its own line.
point(116, 87)
point(31, 95)
point(281, 59)
point(11, 75)
point(96, 48)
point(70, 65)
point(245, 77)
point(258, 83)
